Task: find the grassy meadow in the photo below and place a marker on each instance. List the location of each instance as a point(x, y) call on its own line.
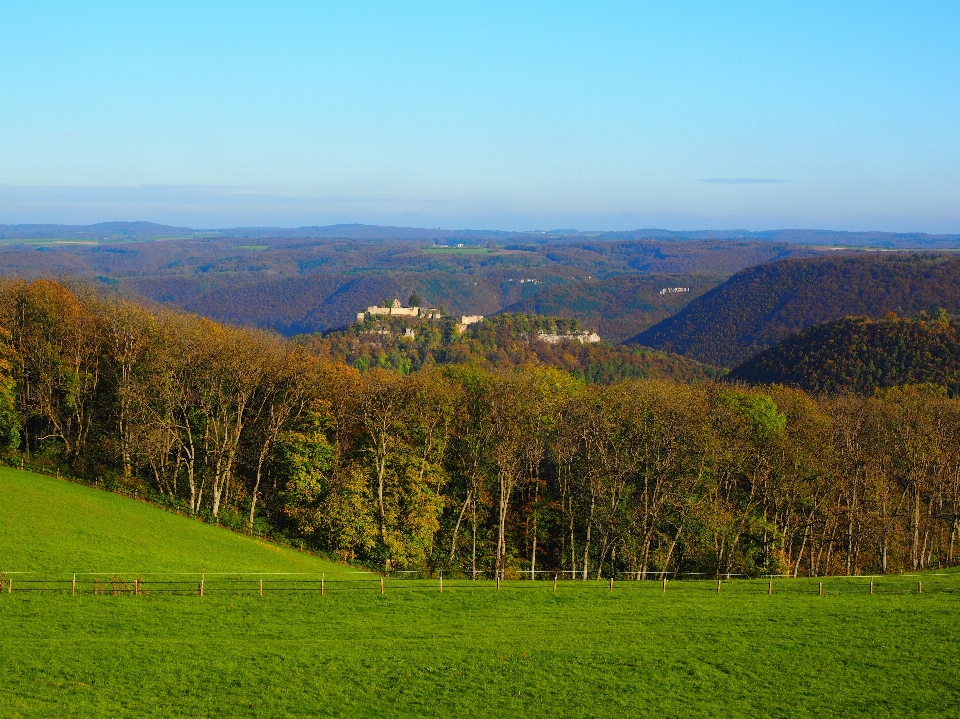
point(52, 526)
point(470, 651)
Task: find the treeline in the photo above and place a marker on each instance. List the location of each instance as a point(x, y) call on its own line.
point(857, 354)
point(506, 340)
point(473, 470)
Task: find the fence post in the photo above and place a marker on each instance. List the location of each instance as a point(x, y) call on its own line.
point(323, 583)
point(261, 586)
point(441, 582)
point(498, 582)
point(770, 587)
point(202, 578)
point(919, 587)
point(664, 584)
point(381, 585)
point(718, 586)
point(871, 586)
point(820, 588)
point(73, 585)
point(611, 582)
point(555, 582)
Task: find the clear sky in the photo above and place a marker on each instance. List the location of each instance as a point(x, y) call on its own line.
point(512, 115)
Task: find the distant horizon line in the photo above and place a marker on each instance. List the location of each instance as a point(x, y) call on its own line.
point(26, 226)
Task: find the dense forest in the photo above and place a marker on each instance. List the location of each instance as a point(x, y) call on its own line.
point(760, 306)
point(857, 354)
point(468, 469)
point(506, 340)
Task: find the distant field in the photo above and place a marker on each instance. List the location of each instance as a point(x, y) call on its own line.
point(458, 250)
point(471, 651)
point(40, 241)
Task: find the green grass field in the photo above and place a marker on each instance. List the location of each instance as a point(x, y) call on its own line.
point(51, 525)
point(471, 651)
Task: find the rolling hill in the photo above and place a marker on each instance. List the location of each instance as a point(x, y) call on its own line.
point(51, 525)
point(759, 306)
point(861, 355)
point(115, 231)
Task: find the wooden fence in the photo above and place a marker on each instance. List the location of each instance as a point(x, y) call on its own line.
point(118, 584)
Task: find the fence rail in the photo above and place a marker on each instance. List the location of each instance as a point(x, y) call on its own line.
point(204, 584)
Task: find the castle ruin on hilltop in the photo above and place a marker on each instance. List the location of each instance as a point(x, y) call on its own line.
point(395, 309)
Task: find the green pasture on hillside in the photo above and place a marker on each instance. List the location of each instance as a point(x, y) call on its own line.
point(470, 651)
point(50, 525)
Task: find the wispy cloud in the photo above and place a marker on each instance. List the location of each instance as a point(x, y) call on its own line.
point(743, 181)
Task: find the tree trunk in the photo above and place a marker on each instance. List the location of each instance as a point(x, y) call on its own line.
point(453, 540)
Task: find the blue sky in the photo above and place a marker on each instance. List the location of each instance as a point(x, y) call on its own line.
point(513, 115)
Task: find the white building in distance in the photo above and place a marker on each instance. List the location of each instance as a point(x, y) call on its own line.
point(396, 310)
point(583, 337)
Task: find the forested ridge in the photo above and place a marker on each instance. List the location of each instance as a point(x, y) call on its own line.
point(466, 469)
point(862, 355)
point(759, 306)
point(506, 340)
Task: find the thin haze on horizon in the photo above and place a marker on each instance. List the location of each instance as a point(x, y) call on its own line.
point(512, 115)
